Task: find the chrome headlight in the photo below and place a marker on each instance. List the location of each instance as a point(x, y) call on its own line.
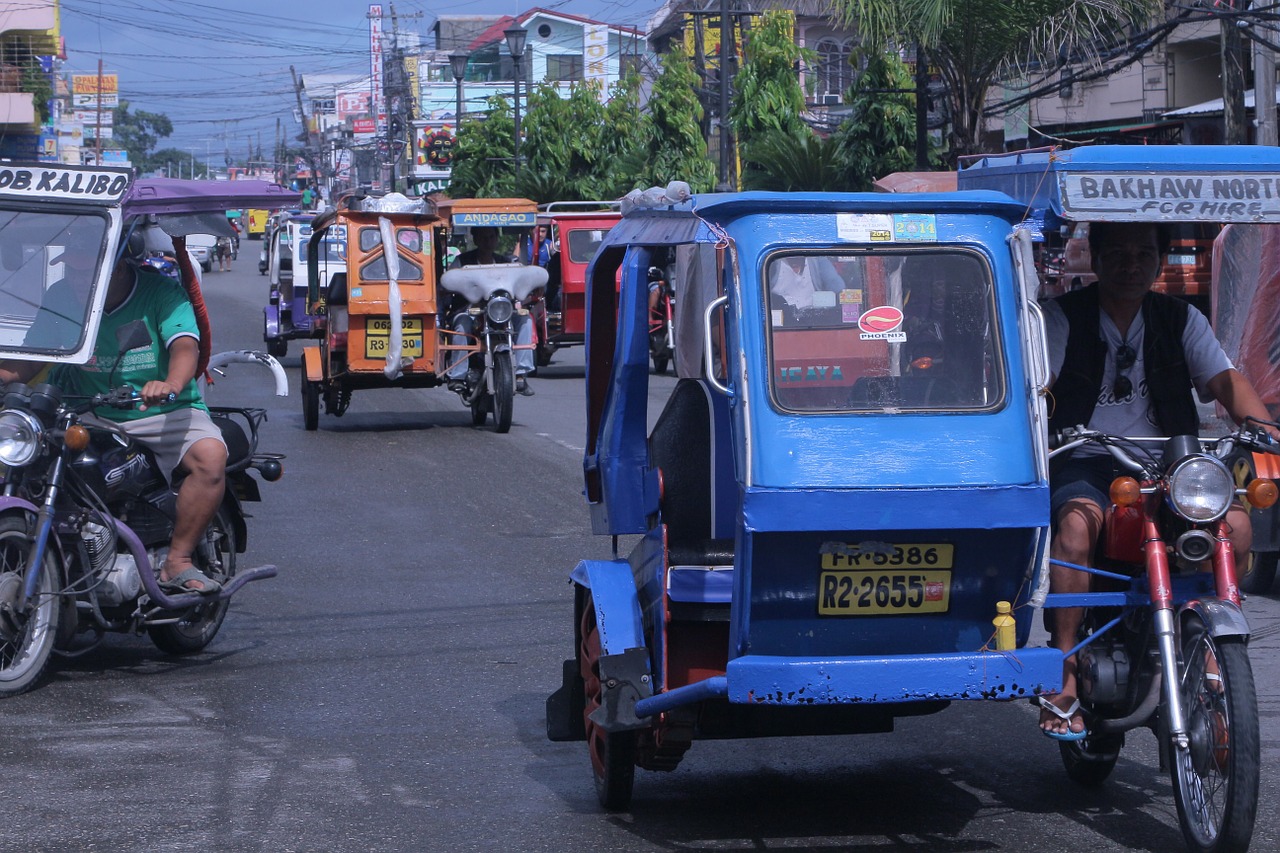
point(19, 437)
point(499, 309)
point(1201, 488)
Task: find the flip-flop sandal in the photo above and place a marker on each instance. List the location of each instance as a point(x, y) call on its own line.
point(1066, 715)
point(187, 575)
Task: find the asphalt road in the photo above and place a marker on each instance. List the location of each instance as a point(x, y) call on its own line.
point(386, 691)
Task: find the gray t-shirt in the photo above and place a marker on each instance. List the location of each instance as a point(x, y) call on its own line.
point(1132, 415)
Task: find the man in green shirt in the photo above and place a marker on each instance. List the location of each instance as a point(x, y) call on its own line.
point(172, 420)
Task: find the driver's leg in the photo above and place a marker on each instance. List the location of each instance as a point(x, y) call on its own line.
point(198, 500)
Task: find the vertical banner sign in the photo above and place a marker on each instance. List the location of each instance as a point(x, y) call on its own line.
point(375, 61)
point(595, 50)
point(415, 86)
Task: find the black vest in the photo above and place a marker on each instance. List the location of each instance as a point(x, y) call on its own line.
point(1169, 387)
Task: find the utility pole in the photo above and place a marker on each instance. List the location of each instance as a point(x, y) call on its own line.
point(306, 129)
point(726, 142)
point(1264, 97)
point(396, 84)
point(1233, 59)
point(922, 110)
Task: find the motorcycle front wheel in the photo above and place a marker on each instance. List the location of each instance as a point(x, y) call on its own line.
point(504, 391)
point(199, 625)
point(26, 637)
point(1215, 781)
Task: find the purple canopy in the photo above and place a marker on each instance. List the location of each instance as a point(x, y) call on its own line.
point(172, 195)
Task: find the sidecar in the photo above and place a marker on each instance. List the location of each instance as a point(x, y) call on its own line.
point(845, 492)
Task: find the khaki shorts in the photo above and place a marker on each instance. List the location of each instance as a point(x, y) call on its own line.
point(168, 436)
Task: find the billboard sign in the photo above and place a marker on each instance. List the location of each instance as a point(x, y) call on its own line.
point(88, 84)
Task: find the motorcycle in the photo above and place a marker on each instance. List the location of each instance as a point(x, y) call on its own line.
point(85, 521)
point(488, 327)
point(661, 330)
point(1165, 644)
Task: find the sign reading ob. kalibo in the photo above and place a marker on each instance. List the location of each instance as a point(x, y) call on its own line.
point(103, 186)
point(1192, 196)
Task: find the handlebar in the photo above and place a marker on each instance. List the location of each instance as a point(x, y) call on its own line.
point(1250, 435)
point(123, 397)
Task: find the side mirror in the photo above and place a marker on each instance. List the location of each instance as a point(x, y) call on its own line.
point(131, 336)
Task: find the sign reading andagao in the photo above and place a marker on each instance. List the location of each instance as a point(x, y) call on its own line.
point(1215, 196)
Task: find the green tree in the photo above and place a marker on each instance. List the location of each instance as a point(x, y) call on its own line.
point(622, 149)
point(794, 162)
point(138, 133)
point(672, 133)
point(973, 43)
point(766, 91)
point(561, 148)
point(37, 83)
point(485, 154)
point(879, 137)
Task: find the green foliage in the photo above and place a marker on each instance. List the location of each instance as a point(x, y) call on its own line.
point(879, 137)
point(138, 133)
point(562, 144)
point(766, 91)
point(37, 84)
point(794, 162)
point(975, 42)
point(673, 147)
point(622, 147)
point(484, 158)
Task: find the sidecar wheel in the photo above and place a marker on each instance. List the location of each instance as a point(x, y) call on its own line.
point(613, 754)
point(542, 355)
point(26, 639)
point(660, 363)
point(1260, 572)
point(1090, 761)
point(310, 402)
point(480, 410)
point(277, 348)
point(504, 391)
point(1215, 782)
point(200, 625)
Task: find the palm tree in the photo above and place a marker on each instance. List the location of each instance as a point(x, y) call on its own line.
point(975, 42)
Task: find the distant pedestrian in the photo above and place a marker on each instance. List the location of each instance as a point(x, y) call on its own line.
point(308, 197)
point(223, 249)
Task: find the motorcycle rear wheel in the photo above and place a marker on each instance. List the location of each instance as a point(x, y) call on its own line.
point(199, 625)
point(1215, 782)
point(1090, 761)
point(310, 402)
point(26, 639)
point(613, 754)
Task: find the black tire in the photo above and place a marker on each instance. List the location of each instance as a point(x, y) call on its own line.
point(504, 391)
point(1259, 574)
point(310, 402)
point(660, 363)
point(1090, 761)
point(26, 639)
point(613, 754)
point(1215, 782)
point(200, 625)
point(278, 347)
point(542, 355)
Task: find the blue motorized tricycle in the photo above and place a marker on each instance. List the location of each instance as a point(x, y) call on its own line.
point(842, 512)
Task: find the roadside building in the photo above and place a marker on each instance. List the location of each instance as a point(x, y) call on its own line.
point(29, 45)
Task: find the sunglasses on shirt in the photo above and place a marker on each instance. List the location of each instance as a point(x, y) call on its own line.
point(1122, 386)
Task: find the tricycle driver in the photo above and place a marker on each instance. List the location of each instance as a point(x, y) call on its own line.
point(172, 419)
point(1123, 360)
point(486, 252)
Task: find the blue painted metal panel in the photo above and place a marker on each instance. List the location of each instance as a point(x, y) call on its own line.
point(700, 585)
point(617, 607)
point(759, 679)
point(902, 508)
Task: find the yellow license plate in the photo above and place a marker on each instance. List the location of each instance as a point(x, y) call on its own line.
point(887, 555)
point(377, 337)
point(877, 593)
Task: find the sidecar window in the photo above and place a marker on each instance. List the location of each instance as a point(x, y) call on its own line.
point(884, 331)
point(49, 264)
point(376, 270)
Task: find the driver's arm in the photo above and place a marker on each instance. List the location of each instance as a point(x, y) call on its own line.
point(184, 355)
point(1237, 396)
point(19, 371)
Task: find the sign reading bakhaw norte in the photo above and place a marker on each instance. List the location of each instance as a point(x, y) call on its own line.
point(1189, 196)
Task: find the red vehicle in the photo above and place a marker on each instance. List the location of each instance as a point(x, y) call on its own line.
point(577, 229)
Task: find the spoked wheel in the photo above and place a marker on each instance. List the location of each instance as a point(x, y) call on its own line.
point(198, 626)
point(1215, 782)
point(504, 391)
point(26, 636)
point(613, 754)
point(1090, 761)
point(310, 402)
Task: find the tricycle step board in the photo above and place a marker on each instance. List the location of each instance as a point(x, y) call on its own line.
point(700, 584)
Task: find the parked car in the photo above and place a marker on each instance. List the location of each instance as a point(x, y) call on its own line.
point(201, 247)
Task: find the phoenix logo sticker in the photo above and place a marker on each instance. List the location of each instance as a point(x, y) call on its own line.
point(882, 323)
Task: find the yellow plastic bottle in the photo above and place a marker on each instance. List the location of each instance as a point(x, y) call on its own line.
point(1006, 636)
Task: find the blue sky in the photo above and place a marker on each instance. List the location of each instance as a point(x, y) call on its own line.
point(220, 68)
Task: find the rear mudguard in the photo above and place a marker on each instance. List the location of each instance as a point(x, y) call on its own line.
point(311, 365)
point(625, 673)
point(1221, 618)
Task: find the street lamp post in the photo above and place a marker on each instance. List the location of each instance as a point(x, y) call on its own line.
point(458, 64)
point(193, 163)
point(515, 44)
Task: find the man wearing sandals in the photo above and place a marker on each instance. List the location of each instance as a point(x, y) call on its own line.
point(172, 420)
point(1125, 361)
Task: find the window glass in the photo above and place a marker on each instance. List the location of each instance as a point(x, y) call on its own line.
point(369, 239)
point(882, 332)
point(583, 243)
point(376, 270)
